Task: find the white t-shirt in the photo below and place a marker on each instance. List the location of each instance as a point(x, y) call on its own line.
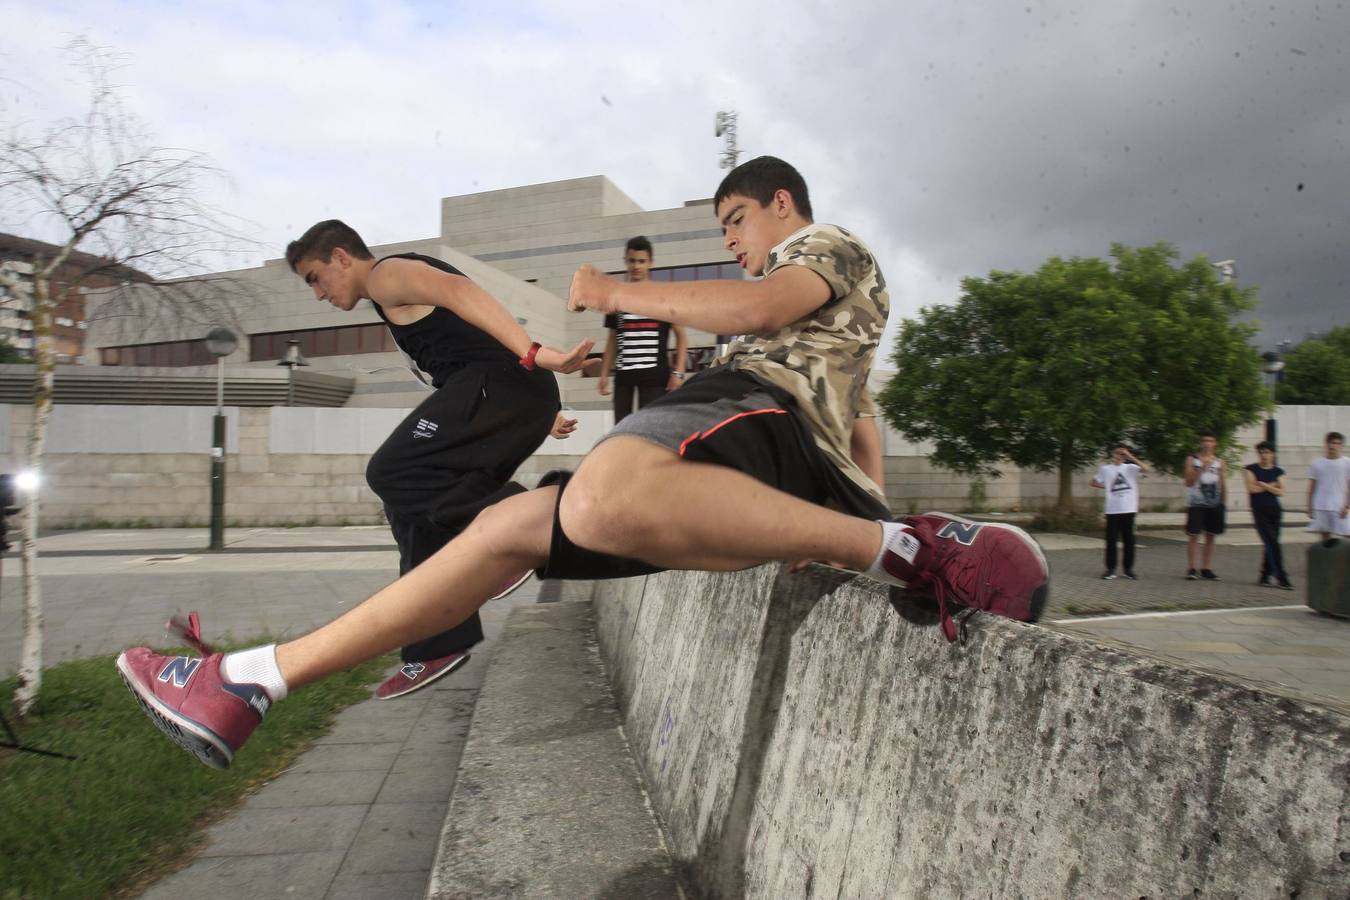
point(1332, 476)
point(1122, 487)
point(1207, 490)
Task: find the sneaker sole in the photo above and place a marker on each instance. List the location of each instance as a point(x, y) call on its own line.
point(1040, 598)
point(196, 739)
point(418, 685)
point(524, 578)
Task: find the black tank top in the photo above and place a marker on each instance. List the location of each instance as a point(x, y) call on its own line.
point(441, 343)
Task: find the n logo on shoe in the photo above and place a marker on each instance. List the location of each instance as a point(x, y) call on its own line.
point(412, 670)
point(961, 532)
point(179, 669)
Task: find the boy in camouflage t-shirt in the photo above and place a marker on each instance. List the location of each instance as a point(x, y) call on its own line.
point(823, 360)
point(753, 460)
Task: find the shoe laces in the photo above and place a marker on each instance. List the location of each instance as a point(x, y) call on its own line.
point(189, 628)
point(953, 627)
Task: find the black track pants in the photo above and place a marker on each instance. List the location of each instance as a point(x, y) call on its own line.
point(1120, 526)
point(450, 459)
point(1267, 523)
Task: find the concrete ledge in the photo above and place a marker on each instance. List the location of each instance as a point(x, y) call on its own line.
point(811, 736)
point(547, 802)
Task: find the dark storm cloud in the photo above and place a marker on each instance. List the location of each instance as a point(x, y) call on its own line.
point(998, 137)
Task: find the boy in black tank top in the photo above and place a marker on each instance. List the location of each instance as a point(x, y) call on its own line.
point(454, 455)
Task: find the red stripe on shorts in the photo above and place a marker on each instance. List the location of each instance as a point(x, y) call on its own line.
point(698, 436)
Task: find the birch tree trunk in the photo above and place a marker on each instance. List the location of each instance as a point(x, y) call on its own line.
point(30, 651)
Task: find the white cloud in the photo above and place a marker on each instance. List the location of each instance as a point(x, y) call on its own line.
point(956, 139)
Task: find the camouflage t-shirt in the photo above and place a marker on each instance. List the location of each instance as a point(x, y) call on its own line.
point(823, 359)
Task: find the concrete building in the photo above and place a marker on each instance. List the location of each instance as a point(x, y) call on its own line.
point(522, 244)
point(19, 258)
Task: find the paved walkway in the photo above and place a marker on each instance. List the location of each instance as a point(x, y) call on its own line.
point(360, 814)
point(357, 816)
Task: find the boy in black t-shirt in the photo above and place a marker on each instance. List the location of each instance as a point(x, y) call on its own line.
point(636, 350)
point(1265, 485)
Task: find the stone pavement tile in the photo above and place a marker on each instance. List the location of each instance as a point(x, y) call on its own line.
point(1340, 664)
point(368, 723)
point(394, 838)
point(1197, 648)
point(293, 790)
point(1316, 681)
point(384, 885)
point(1137, 636)
point(419, 776)
point(254, 831)
point(348, 758)
point(1265, 645)
point(1333, 665)
point(287, 875)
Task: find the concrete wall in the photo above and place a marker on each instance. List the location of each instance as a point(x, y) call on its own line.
point(147, 465)
point(808, 736)
point(914, 484)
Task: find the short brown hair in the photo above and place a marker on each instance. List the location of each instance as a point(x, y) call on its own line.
point(322, 239)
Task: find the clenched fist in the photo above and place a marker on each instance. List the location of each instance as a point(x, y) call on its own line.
point(593, 290)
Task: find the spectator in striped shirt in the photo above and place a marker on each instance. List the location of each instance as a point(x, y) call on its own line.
point(636, 351)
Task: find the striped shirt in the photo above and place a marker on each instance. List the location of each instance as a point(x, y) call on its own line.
point(641, 344)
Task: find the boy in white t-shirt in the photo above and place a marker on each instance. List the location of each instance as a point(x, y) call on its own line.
point(1120, 479)
point(1329, 490)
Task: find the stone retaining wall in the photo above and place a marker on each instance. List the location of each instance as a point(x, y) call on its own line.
point(811, 736)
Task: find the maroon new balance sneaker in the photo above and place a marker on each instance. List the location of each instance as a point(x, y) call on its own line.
point(413, 676)
point(980, 565)
point(190, 700)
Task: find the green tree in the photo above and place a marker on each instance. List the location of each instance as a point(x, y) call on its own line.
point(1047, 370)
point(1317, 371)
point(9, 353)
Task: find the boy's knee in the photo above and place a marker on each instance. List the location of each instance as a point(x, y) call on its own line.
point(587, 517)
point(605, 508)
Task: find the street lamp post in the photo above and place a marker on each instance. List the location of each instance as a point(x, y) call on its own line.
point(292, 358)
point(220, 343)
point(1273, 366)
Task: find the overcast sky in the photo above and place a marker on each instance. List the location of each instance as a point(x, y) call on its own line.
point(955, 138)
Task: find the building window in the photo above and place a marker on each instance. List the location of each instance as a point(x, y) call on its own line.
point(346, 340)
point(166, 354)
point(703, 272)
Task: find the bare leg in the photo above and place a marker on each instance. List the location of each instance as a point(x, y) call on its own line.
point(1209, 551)
point(629, 498)
point(437, 595)
point(1190, 550)
point(633, 498)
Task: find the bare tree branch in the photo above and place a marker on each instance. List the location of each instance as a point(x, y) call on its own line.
point(122, 206)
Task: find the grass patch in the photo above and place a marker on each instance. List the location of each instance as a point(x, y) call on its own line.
point(132, 804)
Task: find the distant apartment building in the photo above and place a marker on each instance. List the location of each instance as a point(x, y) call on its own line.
point(19, 257)
point(522, 244)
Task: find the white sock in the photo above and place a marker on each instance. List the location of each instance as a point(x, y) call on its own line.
point(900, 540)
point(256, 666)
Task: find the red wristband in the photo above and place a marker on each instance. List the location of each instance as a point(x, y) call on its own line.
point(528, 359)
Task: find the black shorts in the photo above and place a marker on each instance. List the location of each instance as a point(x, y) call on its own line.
point(1204, 520)
point(729, 419)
